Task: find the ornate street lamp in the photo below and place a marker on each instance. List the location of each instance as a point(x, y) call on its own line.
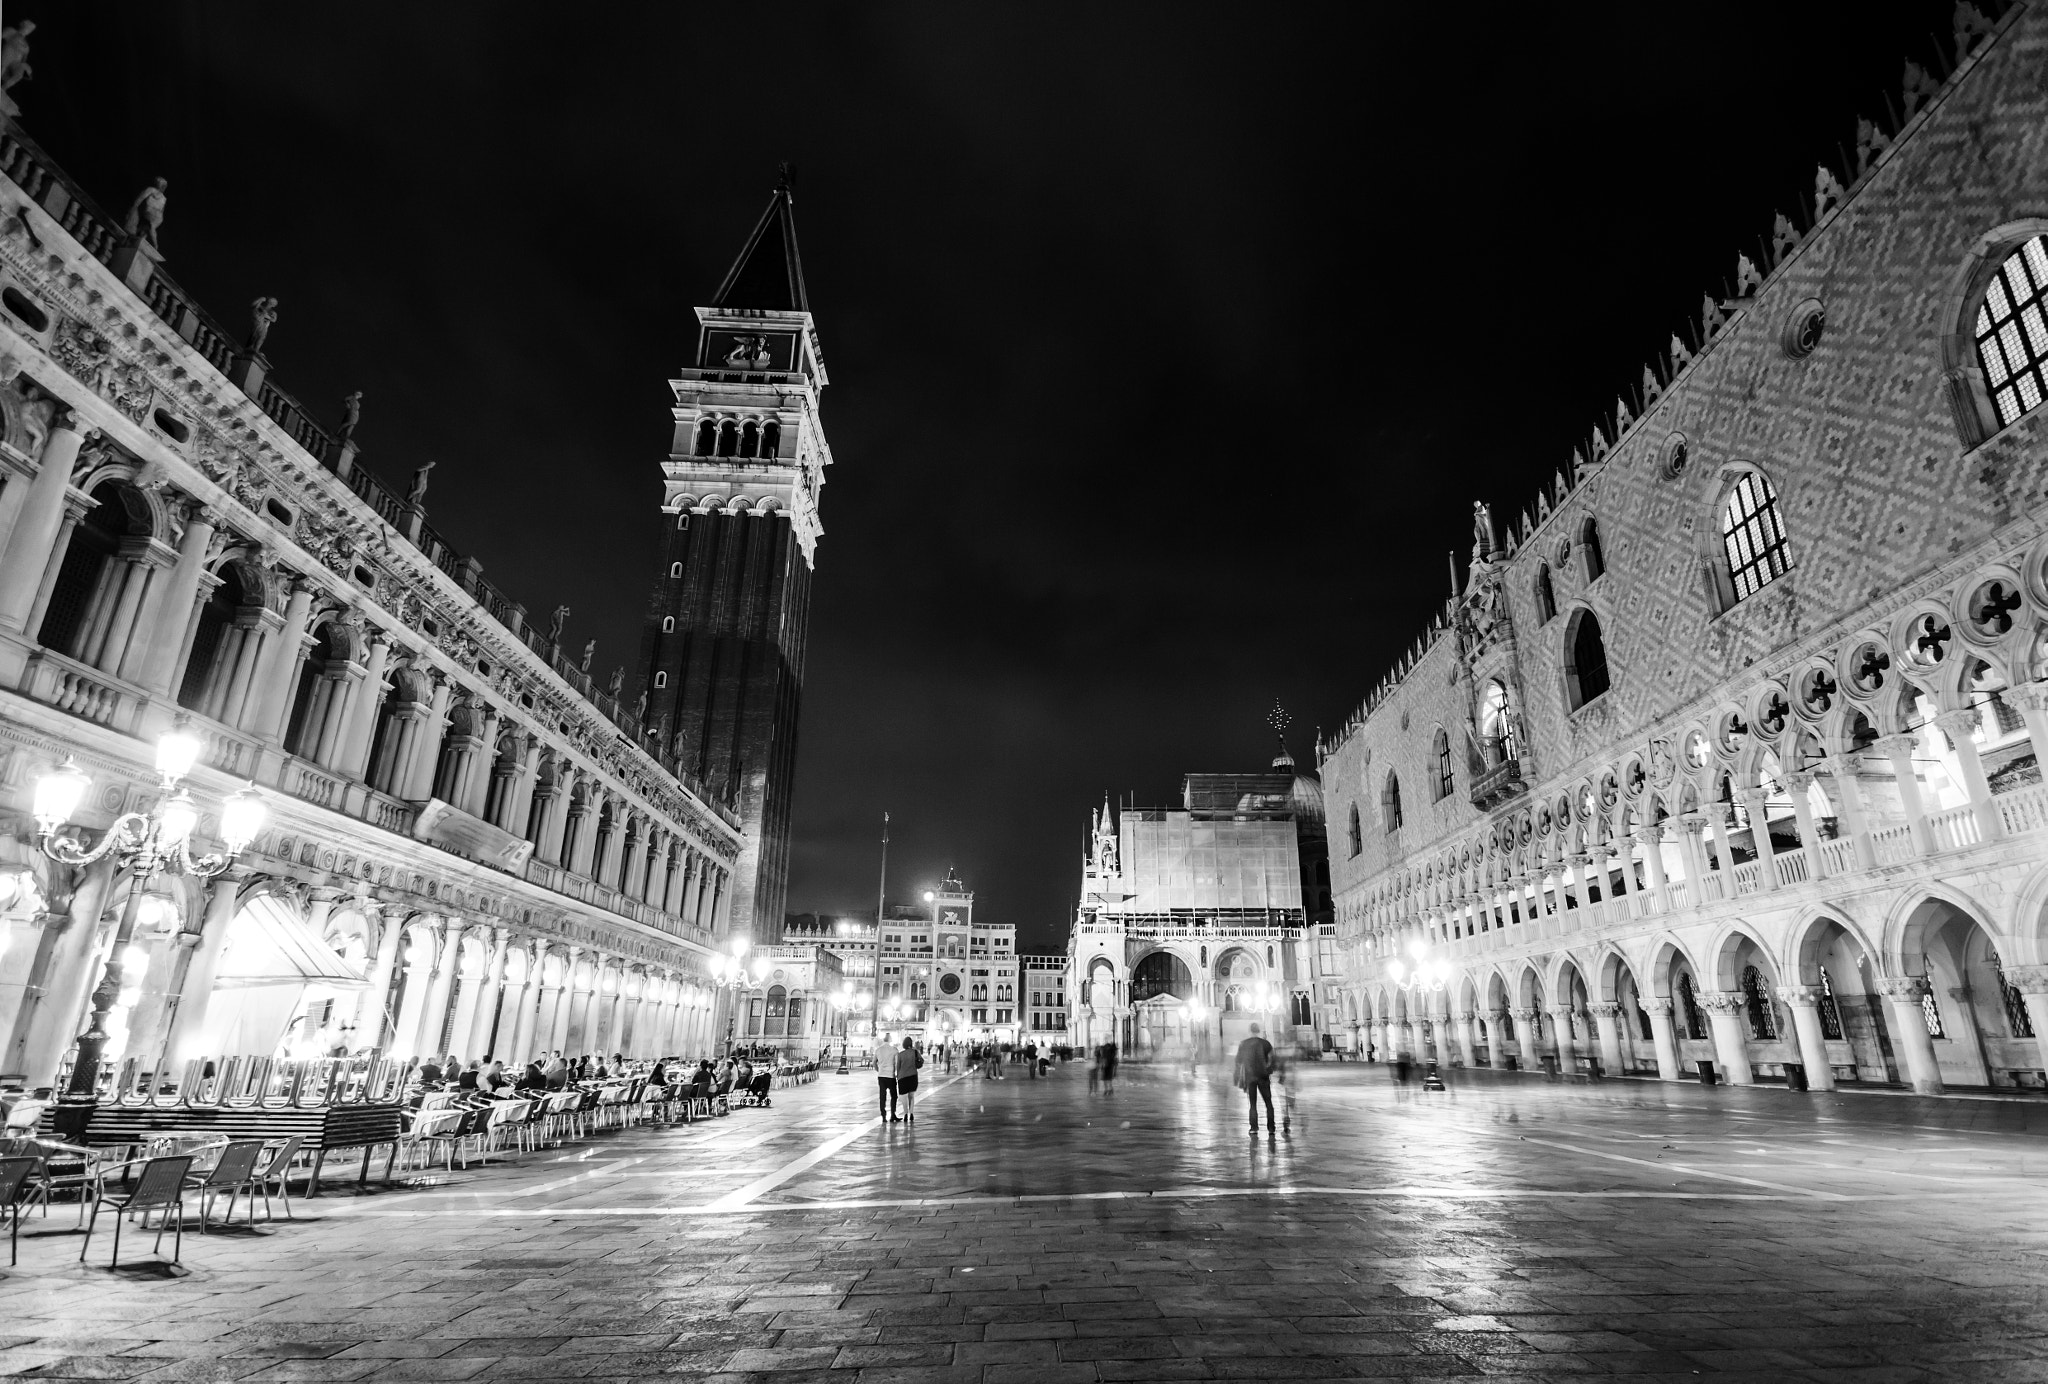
point(144, 844)
point(845, 998)
point(1427, 977)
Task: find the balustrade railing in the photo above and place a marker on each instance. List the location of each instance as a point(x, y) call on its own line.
point(1746, 877)
point(1892, 845)
point(2024, 809)
point(1838, 857)
point(1791, 868)
point(1954, 828)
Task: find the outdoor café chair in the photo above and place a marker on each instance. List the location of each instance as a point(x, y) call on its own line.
point(279, 1170)
point(62, 1166)
point(233, 1172)
point(14, 1176)
point(160, 1188)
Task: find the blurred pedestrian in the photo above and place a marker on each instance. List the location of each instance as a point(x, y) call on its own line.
point(1254, 1075)
point(907, 1063)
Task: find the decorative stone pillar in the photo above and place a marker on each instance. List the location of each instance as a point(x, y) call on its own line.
point(1662, 1038)
point(1799, 785)
point(186, 1035)
point(277, 673)
point(2032, 700)
point(352, 760)
point(1529, 1028)
point(153, 658)
point(1760, 838)
point(1804, 1001)
point(1561, 1026)
point(1691, 825)
point(425, 742)
point(1593, 869)
point(1962, 725)
point(1899, 750)
point(483, 760)
point(434, 1012)
point(1607, 1021)
point(1855, 819)
point(1496, 1044)
point(1650, 836)
point(2032, 983)
point(1468, 1037)
point(493, 989)
point(1902, 996)
point(371, 1009)
point(1724, 1015)
point(33, 543)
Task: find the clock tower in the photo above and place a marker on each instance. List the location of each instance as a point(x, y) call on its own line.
point(722, 655)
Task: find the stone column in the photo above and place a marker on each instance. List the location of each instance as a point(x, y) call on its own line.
point(1760, 838)
point(1650, 836)
point(2032, 700)
point(1855, 820)
point(576, 1005)
point(1529, 1029)
point(434, 1012)
point(483, 762)
point(353, 758)
point(1661, 1036)
point(2032, 983)
point(630, 855)
point(519, 808)
point(1909, 1031)
point(1593, 870)
point(186, 1037)
point(1567, 1046)
point(277, 675)
point(1804, 1001)
point(33, 543)
point(1607, 1020)
point(493, 989)
point(153, 658)
point(371, 1021)
point(1961, 725)
point(1468, 1037)
point(1802, 811)
point(255, 630)
point(1724, 1016)
point(526, 1010)
point(1899, 750)
point(418, 769)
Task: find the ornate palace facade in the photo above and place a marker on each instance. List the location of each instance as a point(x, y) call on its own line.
point(470, 847)
point(1729, 750)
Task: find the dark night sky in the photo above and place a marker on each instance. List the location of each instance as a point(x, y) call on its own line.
point(1170, 344)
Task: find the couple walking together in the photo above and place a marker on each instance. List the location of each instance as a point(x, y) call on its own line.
point(896, 1077)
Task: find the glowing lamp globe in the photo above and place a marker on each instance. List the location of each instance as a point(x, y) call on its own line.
point(241, 817)
point(176, 753)
point(58, 794)
point(176, 818)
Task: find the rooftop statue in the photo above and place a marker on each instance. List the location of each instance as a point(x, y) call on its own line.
point(555, 623)
point(146, 212)
point(589, 652)
point(418, 494)
point(262, 317)
point(351, 414)
point(14, 68)
point(616, 682)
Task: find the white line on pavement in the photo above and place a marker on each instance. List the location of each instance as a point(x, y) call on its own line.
point(740, 1196)
point(1688, 1170)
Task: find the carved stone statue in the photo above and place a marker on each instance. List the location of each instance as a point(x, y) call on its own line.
point(1482, 531)
point(418, 494)
point(146, 212)
point(14, 68)
point(640, 706)
point(351, 414)
point(616, 682)
point(589, 652)
point(262, 317)
point(555, 623)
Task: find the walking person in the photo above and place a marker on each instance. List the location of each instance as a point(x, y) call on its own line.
point(1254, 1076)
point(1031, 1059)
point(907, 1063)
point(885, 1086)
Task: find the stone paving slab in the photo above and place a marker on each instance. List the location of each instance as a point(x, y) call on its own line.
point(1025, 1231)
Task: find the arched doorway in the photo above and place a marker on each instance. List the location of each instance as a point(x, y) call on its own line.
point(1977, 1022)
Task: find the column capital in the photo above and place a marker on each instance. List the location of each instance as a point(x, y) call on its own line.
point(1604, 1010)
point(1799, 781)
point(1800, 996)
point(1722, 1001)
point(2029, 696)
point(1654, 1004)
point(2028, 980)
point(1904, 742)
point(1907, 989)
point(1960, 721)
point(1527, 1016)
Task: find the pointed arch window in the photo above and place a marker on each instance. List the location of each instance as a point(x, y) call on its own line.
point(1586, 674)
point(1753, 536)
point(1357, 831)
point(1590, 552)
point(1763, 1020)
point(1390, 803)
point(2012, 332)
point(1445, 785)
point(1497, 724)
point(1830, 1012)
point(1930, 1013)
point(1546, 595)
point(2016, 1016)
point(1689, 1004)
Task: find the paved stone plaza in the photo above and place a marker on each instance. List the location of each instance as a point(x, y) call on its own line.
point(1028, 1231)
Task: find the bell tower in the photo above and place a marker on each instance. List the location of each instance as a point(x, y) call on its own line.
point(722, 655)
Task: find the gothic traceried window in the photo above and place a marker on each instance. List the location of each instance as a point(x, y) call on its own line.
point(1931, 1013)
point(1546, 595)
point(1695, 1022)
point(1357, 831)
point(1753, 536)
point(1830, 1012)
point(2016, 1016)
point(1390, 803)
point(1590, 552)
point(1497, 723)
point(2012, 332)
point(1445, 786)
point(1586, 676)
point(1763, 1020)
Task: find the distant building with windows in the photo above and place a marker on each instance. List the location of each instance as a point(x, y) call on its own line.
point(1728, 752)
point(794, 1004)
point(849, 937)
point(1044, 988)
point(1195, 922)
point(942, 976)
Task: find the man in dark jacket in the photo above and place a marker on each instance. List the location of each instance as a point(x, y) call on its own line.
point(1255, 1076)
